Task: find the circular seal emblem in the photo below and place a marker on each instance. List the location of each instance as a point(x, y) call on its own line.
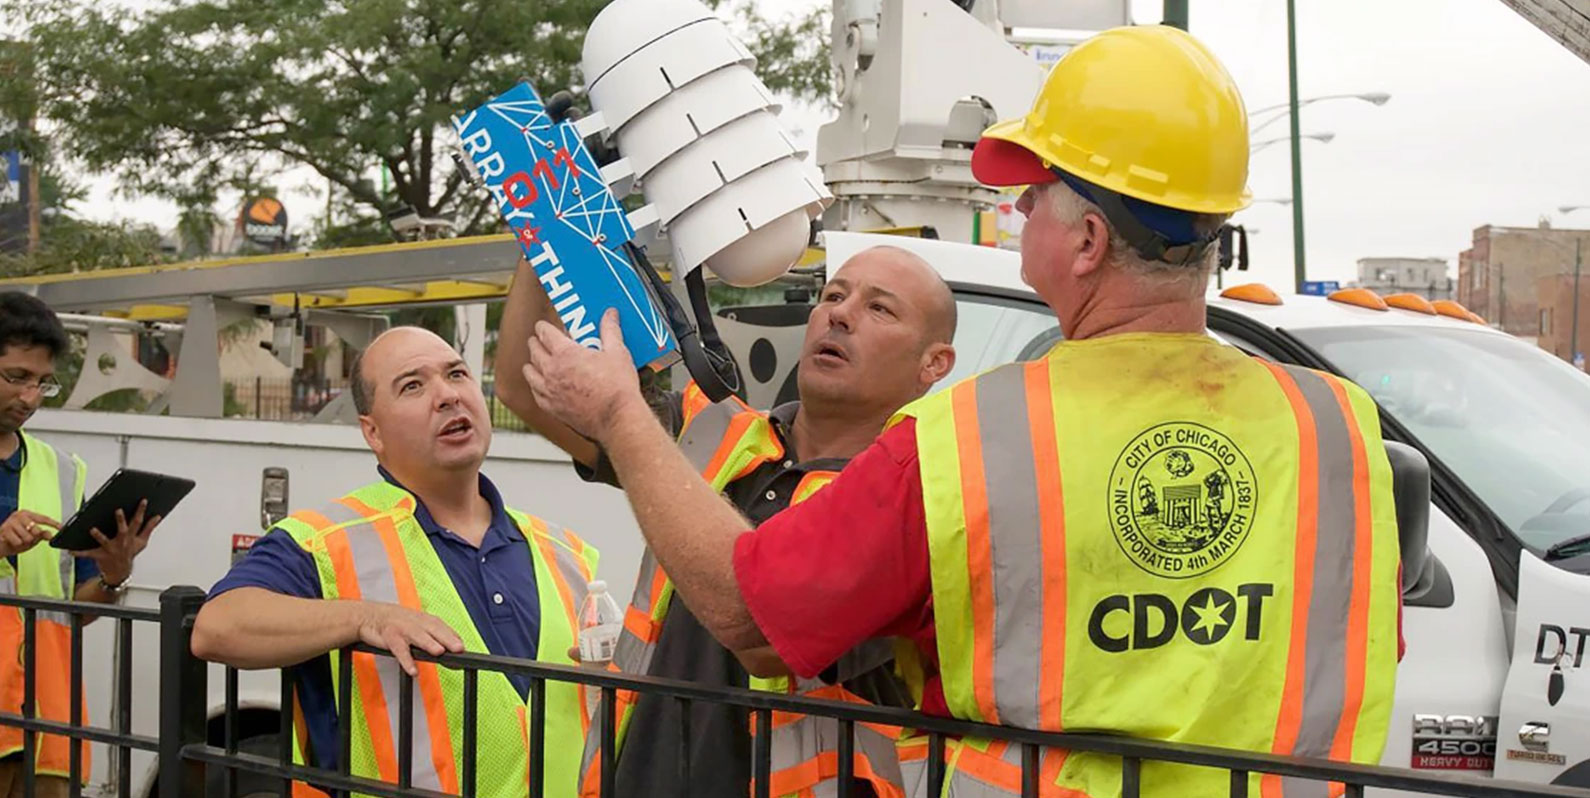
point(1182, 499)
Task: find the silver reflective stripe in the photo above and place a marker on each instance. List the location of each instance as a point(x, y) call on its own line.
point(701, 439)
point(1011, 482)
point(377, 583)
point(633, 655)
point(339, 514)
point(958, 783)
point(66, 479)
point(568, 564)
point(1330, 601)
point(809, 737)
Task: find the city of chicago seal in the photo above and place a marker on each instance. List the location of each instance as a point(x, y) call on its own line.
point(1182, 499)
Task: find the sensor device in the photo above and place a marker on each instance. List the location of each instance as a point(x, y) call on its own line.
point(568, 222)
point(699, 130)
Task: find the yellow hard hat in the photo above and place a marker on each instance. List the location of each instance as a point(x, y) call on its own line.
point(1147, 112)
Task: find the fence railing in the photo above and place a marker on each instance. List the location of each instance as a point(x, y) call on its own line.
point(186, 753)
point(121, 737)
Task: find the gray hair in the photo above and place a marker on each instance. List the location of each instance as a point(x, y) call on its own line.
point(1068, 207)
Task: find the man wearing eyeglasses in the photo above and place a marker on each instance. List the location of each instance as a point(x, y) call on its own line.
point(41, 486)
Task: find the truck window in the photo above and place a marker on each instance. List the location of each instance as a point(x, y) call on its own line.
point(992, 331)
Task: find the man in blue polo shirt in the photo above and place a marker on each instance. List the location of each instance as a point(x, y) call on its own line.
point(427, 557)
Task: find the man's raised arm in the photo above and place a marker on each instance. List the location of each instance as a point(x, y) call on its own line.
point(527, 304)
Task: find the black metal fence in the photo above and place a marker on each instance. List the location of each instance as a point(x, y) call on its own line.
point(185, 753)
point(121, 736)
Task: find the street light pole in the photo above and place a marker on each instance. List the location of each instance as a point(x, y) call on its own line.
point(1298, 267)
point(1176, 13)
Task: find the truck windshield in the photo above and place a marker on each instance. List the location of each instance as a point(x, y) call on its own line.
point(1511, 420)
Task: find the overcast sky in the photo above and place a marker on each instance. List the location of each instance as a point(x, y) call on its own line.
point(1488, 123)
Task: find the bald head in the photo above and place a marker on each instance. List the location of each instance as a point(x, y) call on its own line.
point(421, 410)
point(915, 280)
point(880, 335)
point(374, 358)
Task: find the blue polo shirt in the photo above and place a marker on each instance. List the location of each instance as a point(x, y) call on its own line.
point(496, 581)
point(11, 488)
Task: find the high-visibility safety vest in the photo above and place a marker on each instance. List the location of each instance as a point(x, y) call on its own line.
point(51, 484)
point(729, 440)
point(369, 546)
point(1158, 536)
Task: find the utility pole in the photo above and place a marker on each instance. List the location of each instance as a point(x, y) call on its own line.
point(35, 201)
point(1573, 346)
point(1299, 270)
point(1176, 13)
point(1501, 297)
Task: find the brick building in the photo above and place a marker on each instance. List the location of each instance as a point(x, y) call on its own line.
point(1502, 276)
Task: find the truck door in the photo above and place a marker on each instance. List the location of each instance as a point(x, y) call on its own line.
point(1544, 733)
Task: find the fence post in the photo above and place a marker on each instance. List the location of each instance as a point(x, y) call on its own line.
point(182, 693)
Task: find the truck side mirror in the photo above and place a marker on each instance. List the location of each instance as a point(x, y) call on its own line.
point(1410, 476)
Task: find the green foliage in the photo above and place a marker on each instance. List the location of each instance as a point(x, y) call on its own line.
point(182, 100)
point(70, 244)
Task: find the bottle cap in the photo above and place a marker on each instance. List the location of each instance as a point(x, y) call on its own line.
point(598, 586)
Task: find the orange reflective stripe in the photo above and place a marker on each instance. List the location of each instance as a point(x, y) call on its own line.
point(369, 682)
point(578, 546)
point(693, 401)
point(812, 482)
point(801, 779)
point(429, 680)
point(996, 768)
point(1052, 540)
point(1291, 714)
point(314, 519)
point(544, 546)
point(980, 553)
point(1358, 609)
point(987, 766)
point(301, 737)
point(641, 625)
point(524, 739)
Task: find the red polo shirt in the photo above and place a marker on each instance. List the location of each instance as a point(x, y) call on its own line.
point(799, 571)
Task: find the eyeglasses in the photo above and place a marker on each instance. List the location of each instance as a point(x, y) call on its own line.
point(47, 385)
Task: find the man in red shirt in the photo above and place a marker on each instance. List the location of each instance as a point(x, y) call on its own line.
point(1139, 509)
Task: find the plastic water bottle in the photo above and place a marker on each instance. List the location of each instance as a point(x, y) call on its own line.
point(600, 624)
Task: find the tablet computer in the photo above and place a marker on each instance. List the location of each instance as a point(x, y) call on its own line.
point(122, 491)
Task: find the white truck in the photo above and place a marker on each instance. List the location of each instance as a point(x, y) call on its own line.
point(1491, 680)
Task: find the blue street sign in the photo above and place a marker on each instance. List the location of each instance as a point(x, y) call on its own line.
point(1321, 287)
point(569, 225)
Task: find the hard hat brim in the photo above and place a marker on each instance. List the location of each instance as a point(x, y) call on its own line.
point(998, 161)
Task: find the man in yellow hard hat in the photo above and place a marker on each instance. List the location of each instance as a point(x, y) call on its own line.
point(1144, 532)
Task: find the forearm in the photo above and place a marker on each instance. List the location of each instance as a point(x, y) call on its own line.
point(252, 627)
point(527, 304)
point(91, 592)
point(689, 527)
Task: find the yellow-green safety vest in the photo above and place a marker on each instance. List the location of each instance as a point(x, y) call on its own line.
point(726, 441)
point(369, 546)
point(51, 484)
point(1159, 536)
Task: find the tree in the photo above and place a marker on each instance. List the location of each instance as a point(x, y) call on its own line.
point(180, 100)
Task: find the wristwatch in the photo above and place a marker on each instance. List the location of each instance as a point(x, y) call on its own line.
point(114, 590)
